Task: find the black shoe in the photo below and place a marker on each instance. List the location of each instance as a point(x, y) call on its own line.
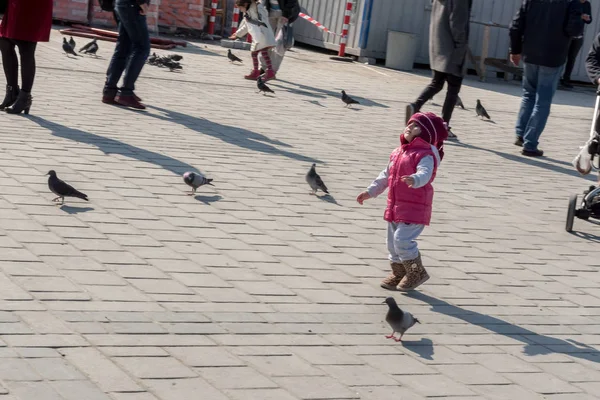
point(532, 153)
point(410, 110)
point(519, 141)
point(567, 84)
point(23, 103)
point(11, 96)
point(451, 135)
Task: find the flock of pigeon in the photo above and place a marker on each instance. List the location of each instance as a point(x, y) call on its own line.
point(69, 47)
point(171, 61)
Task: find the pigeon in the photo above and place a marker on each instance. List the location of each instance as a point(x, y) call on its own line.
point(90, 48)
point(459, 103)
point(72, 42)
point(481, 112)
point(175, 57)
point(348, 100)
point(399, 320)
point(262, 87)
point(62, 189)
point(171, 64)
point(152, 59)
point(195, 180)
point(67, 48)
point(232, 57)
point(314, 181)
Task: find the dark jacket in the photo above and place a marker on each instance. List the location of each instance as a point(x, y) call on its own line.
point(592, 62)
point(537, 32)
point(290, 9)
point(576, 10)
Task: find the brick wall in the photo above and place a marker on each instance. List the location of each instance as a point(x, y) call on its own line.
point(71, 10)
point(182, 13)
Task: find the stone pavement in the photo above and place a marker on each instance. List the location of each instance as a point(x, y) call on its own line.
point(256, 290)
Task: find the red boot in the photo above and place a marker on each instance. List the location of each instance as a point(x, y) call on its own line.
point(270, 74)
point(254, 74)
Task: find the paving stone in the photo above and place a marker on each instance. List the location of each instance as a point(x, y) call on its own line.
point(205, 357)
point(155, 367)
point(434, 385)
point(235, 378)
point(33, 390)
point(542, 383)
point(282, 366)
point(177, 389)
point(259, 394)
point(54, 369)
point(316, 387)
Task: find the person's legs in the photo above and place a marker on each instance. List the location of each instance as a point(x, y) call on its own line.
point(546, 87)
point(398, 272)
point(27, 53)
point(255, 73)
point(137, 29)
point(437, 83)
point(269, 74)
point(574, 48)
point(406, 247)
point(530, 77)
point(454, 85)
point(10, 62)
point(118, 61)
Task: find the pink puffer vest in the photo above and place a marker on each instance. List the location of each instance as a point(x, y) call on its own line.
point(406, 204)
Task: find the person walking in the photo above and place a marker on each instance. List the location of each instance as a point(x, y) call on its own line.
point(582, 10)
point(538, 38)
point(448, 45)
point(281, 12)
point(131, 51)
point(25, 23)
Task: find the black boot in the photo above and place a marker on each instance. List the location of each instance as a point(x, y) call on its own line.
point(23, 103)
point(10, 97)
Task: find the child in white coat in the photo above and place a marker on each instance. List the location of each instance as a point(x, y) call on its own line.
point(256, 23)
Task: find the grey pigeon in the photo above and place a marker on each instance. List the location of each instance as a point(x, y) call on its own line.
point(314, 181)
point(67, 47)
point(62, 189)
point(348, 100)
point(175, 57)
point(195, 180)
point(481, 112)
point(232, 57)
point(399, 320)
point(459, 103)
point(90, 48)
point(262, 87)
point(72, 42)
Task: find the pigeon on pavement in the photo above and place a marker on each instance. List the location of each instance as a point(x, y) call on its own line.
point(90, 48)
point(67, 47)
point(314, 181)
point(398, 320)
point(72, 42)
point(232, 57)
point(480, 110)
point(195, 180)
point(175, 57)
point(459, 103)
point(348, 100)
point(262, 87)
point(62, 189)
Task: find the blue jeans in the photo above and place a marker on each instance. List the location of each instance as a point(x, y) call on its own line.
point(131, 51)
point(539, 86)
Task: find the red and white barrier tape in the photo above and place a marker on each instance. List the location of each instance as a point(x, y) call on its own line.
point(317, 24)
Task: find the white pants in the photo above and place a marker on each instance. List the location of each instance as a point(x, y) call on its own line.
point(401, 241)
point(276, 59)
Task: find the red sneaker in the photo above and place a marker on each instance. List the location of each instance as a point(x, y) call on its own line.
point(108, 99)
point(254, 74)
point(129, 101)
point(270, 74)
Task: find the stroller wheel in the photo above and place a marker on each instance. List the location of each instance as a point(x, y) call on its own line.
point(571, 212)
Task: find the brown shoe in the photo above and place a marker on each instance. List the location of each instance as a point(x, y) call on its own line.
point(129, 101)
point(393, 279)
point(410, 110)
point(108, 99)
point(416, 275)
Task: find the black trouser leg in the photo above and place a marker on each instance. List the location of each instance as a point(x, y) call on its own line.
point(454, 85)
point(436, 85)
point(574, 48)
point(27, 53)
point(10, 62)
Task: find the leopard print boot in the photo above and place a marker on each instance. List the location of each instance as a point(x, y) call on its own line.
point(415, 275)
point(393, 279)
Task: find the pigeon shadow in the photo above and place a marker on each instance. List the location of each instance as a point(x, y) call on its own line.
point(75, 210)
point(320, 93)
point(555, 166)
point(208, 199)
point(534, 343)
point(231, 135)
point(423, 347)
point(489, 121)
point(112, 146)
point(328, 199)
point(315, 102)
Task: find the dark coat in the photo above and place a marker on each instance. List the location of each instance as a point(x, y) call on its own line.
point(537, 32)
point(290, 9)
point(449, 36)
point(29, 20)
point(592, 62)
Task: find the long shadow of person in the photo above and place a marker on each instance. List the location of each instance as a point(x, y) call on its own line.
point(229, 134)
point(535, 344)
point(112, 146)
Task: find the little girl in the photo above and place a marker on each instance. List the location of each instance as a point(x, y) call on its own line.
point(409, 174)
point(256, 23)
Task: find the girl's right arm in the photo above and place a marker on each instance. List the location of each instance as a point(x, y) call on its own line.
point(242, 29)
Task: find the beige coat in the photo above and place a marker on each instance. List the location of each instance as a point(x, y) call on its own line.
point(262, 36)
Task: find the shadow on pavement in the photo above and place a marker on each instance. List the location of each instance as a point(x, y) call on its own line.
point(75, 210)
point(208, 199)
